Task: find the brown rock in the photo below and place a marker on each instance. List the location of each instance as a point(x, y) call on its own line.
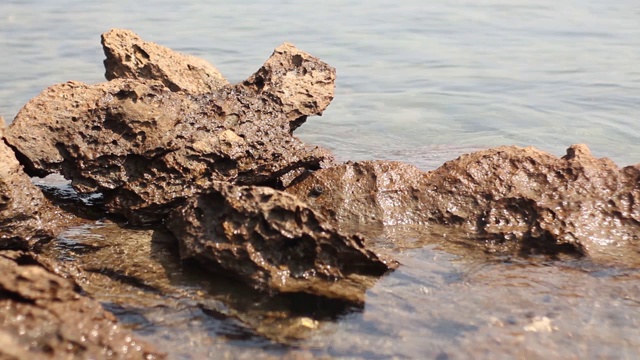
point(129, 57)
point(26, 217)
point(366, 193)
point(271, 240)
point(146, 147)
point(44, 317)
point(303, 84)
point(511, 193)
point(521, 199)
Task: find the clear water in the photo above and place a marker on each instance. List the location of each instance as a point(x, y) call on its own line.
point(420, 82)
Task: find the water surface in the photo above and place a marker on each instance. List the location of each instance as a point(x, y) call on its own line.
point(412, 76)
point(417, 81)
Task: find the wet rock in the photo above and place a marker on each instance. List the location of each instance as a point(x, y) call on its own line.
point(129, 57)
point(271, 240)
point(511, 193)
point(182, 302)
point(44, 317)
point(26, 217)
point(521, 199)
point(195, 314)
point(146, 147)
point(366, 193)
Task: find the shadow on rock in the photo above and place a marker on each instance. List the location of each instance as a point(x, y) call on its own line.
point(83, 206)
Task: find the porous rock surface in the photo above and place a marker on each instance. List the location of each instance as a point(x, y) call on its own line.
point(26, 216)
point(522, 199)
point(146, 147)
point(273, 241)
point(43, 317)
point(130, 57)
point(366, 193)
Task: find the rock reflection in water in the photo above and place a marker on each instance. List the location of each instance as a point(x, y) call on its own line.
point(437, 303)
point(447, 300)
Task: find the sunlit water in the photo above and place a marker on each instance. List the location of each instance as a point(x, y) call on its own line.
point(422, 82)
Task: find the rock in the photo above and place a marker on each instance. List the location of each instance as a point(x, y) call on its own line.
point(272, 241)
point(129, 57)
point(44, 317)
point(303, 84)
point(577, 201)
point(147, 148)
point(173, 295)
point(27, 219)
point(521, 199)
point(366, 193)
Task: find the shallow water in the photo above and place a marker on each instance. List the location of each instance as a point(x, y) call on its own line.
point(420, 82)
point(442, 302)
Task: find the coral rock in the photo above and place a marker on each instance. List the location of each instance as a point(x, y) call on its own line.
point(146, 148)
point(521, 199)
point(129, 57)
point(273, 241)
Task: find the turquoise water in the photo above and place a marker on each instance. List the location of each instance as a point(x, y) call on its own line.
point(417, 81)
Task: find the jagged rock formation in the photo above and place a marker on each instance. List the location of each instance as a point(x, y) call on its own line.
point(271, 240)
point(168, 138)
point(521, 199)
point(146, 147)
point(129, 57)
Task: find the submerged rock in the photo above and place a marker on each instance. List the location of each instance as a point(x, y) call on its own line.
point(26, 216)
point(44, 317)
point(146, 147)
point(272, 241)
point(521, 199)
point(129, 57)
